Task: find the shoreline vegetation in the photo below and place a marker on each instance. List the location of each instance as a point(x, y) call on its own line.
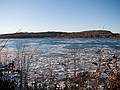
point(52, 34)
point(105, 76)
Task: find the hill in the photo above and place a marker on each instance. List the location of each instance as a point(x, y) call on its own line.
point(84, 34)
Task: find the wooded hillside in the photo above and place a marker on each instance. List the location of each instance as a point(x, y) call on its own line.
point(84, 34)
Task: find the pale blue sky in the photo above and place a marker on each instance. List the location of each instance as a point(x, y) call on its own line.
point(59, 15)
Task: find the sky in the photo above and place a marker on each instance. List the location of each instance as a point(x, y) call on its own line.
point(59, 15)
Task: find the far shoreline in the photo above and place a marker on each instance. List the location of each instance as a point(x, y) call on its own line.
point(83, 34)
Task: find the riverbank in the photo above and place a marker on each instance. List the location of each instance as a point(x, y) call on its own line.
point(84, 34)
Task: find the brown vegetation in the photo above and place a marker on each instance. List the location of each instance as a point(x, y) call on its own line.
point(84, 34)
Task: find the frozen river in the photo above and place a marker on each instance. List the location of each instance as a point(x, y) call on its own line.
point(46, 43)
point(56, 56)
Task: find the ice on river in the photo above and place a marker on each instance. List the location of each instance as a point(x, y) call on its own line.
point(57, 57)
